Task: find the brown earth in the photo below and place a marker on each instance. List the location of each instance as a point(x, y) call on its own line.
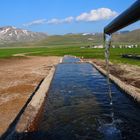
point(19, 78)
point(129, 74)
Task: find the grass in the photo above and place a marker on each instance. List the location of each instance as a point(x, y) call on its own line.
point(115, 54)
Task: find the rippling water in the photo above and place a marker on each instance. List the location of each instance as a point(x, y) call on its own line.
point(78, 107)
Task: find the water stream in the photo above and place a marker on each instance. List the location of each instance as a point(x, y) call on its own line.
point(78, 107)
point(107, 45)
point(111, 127)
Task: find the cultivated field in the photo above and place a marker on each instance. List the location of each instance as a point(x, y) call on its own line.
point(115, 53)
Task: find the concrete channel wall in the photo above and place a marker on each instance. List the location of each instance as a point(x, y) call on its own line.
point(27, 121)
point(130, 90)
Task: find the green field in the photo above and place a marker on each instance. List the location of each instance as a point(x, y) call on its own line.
point(115, 54)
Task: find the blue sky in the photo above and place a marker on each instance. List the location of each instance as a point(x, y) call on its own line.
point(62, 16)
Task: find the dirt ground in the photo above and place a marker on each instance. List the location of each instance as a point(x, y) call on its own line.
point(126, 73)
point(18, 79)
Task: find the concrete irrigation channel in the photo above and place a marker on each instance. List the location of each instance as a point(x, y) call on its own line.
point(77, 107)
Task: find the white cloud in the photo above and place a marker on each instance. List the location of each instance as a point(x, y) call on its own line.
point(68, 19)
point(35, 22)
point(96, 15)
point(60, 21)
point(93, 15)
point(51, 21)
point(54, 21)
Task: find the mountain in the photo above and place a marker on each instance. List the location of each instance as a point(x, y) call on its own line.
point(19, 37)
point(9, 34)
point(88, 34)
point(124, 32)
point(130, 37)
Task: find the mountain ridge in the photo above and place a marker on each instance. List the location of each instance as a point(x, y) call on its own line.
point(10, 34)
point(130, 37)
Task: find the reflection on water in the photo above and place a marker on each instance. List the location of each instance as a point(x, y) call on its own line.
point(70, 59)
point(78, 107)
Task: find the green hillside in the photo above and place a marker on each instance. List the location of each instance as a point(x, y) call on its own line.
point(70, 40)
point(130, 37)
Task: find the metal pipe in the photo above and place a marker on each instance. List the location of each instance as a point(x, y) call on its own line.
point(131, 15)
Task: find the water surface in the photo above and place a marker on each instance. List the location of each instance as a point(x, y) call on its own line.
point(78, 107)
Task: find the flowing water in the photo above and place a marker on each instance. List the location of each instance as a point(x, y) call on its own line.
point(112, 124)
point(107, 45)
point(78, 107)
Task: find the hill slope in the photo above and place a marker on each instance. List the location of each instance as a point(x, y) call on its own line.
point(130, 37)
point(80, 39)
point(73, 39)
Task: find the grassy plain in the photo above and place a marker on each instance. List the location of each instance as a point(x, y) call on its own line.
point(115, 53)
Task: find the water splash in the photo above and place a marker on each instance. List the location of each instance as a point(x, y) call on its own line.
point(110, 131)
